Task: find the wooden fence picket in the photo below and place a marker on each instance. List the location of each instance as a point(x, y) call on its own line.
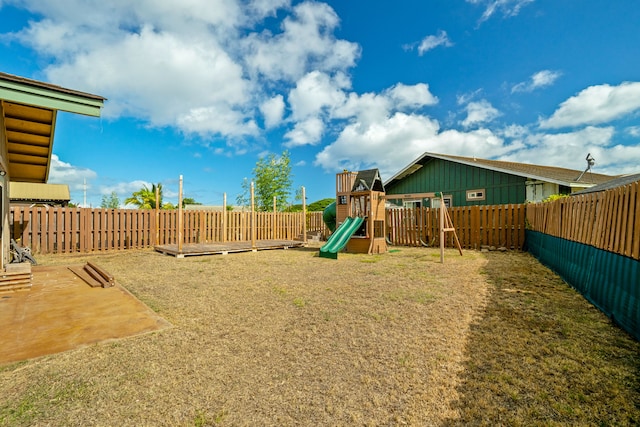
point(608, 220)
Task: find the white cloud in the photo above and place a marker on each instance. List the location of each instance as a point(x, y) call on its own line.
point(273, 111)
point(479, 112)
point(306, 42)
point(514, 131)
point(261, 8)
point(433, 41)
point(508, 8)
point(389, 145)
point(366, 109)
point(211, 119)
point(319, 98)
point(369, 108)
point(538, 80)
point(165, 77)
point(306, 132)
point(315, 92)
point(411, 96)
point(633, 131)
point(465, 98)
point(569, 149)
point(200, 66)
point(596, 105)
point(65, 173)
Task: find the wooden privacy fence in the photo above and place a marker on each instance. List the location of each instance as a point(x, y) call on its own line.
point(68, 230)
point(608, 220)
point(211, 226)
point(499, 225)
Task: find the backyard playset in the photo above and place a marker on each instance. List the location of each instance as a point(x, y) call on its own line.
point(358, 213)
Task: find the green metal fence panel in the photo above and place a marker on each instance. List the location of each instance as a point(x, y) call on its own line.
point(609, 281)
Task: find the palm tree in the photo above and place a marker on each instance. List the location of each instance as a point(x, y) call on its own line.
point(145, 198)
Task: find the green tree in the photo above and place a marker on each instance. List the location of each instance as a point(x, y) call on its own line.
point(189, 201)
point(319, 205)
point(145, 198)
point(110, 201)
point(272, 179)
point(244, 197)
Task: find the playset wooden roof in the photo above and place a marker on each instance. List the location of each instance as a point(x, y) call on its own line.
point(367, 180)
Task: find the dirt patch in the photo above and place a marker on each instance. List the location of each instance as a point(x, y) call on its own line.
point(280, 338)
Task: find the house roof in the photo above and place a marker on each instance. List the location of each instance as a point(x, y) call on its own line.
point(39, 192)
point(561, 176)
point(614, 183)
point(29, 108)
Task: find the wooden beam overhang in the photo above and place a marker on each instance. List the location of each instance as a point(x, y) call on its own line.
point(29, 133)
point(29, 110)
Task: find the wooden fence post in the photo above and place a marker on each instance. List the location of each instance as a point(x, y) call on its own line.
point(304, 217)
point(157, 215)
point(224, 217)
point(253, 220)
point(180, 218)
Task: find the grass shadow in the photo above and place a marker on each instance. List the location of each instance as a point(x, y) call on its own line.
point(540, 354)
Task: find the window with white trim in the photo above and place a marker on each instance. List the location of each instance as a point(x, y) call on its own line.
point(448, 202)
point(479, 194)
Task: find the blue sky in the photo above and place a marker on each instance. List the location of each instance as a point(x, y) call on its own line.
point(203, 88)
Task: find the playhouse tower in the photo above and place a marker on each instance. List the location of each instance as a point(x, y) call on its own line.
point(361, 194)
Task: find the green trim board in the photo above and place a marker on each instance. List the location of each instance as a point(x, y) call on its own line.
point(50, 99)
point(47, 95)
point(609, 281)
point(339, 239)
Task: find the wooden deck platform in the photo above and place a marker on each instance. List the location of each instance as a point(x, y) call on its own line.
point(194, 249)
point(60, 312)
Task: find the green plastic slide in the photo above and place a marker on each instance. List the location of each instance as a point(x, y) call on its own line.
point(329, 216)
point(340, 237)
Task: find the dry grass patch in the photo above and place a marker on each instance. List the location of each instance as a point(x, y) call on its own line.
point(287, 338)
point(542, 355)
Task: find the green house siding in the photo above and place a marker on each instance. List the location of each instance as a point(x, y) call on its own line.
point(456, 179)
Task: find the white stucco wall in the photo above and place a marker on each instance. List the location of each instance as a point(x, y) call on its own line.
point(537, 191)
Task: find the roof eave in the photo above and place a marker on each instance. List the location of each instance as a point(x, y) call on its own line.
point(89, 105)
point(424, 155)
point(399, 174)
